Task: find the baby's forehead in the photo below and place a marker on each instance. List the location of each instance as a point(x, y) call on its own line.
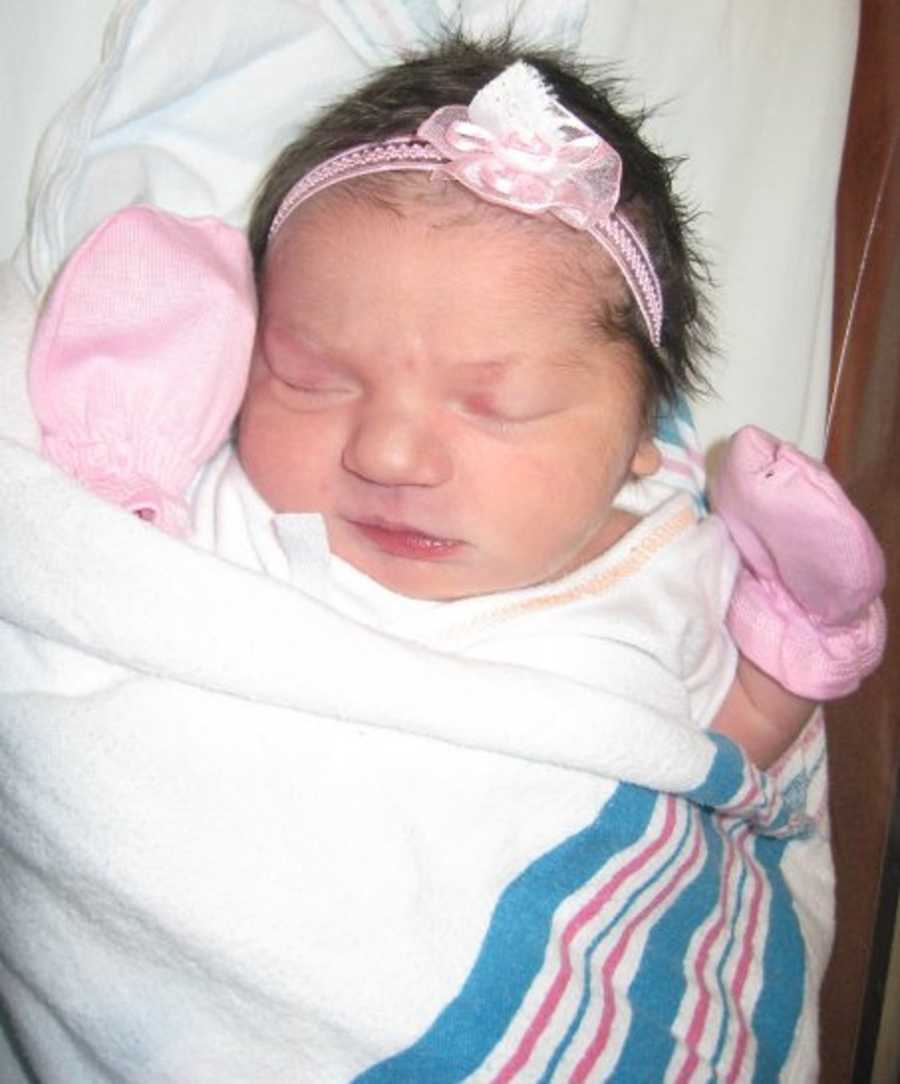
point(370, 289)
point(553, 262)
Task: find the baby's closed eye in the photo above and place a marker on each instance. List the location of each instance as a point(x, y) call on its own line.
point(503, 410)
point(307, 379)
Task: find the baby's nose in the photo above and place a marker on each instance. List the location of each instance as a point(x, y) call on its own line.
point(396, 446)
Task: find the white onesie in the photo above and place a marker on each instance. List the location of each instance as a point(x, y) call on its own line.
point(644, 620)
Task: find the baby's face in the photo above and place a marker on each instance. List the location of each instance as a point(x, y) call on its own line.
point(434, 391)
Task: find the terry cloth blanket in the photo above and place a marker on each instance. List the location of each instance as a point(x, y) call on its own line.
point(232, 851)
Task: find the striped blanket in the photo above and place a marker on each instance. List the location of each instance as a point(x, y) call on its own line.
point(661, 942)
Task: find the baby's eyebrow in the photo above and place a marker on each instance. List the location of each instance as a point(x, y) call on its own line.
point(577, 360)
point(293, 335)
point(485, 372)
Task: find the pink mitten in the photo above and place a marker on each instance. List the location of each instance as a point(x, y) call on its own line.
point(140, 358)
point(805, 607)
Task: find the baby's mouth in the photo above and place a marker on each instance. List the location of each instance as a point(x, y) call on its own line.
point(402, 540)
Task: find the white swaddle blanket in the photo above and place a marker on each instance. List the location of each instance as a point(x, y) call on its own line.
point(244, 837)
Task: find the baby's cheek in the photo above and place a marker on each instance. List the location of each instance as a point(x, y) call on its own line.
point(289, 458)
point(261, 448)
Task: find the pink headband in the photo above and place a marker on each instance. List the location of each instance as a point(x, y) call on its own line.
point(515, 146)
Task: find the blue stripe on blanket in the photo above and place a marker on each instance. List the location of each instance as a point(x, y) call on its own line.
point(650, 983)
point(784, 969)
point(514, 948)
point(730, 949)
point(682, 457)
point(726, 776)
point(668, 419)
point(661, 981)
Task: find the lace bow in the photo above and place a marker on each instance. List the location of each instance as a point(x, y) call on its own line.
point(515, 145)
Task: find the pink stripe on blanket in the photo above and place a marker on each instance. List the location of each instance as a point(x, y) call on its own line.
point(738, 860)
point(601, 1037)
point(735, 1070)
point(678, 466)
point(554, 995)
point(765, 806)
point(701, 1010)
point(746, 798)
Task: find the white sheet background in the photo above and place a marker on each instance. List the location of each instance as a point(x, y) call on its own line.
point(756, 95)
point(48, 48)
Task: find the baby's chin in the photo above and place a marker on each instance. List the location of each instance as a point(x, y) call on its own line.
point(447, 578)
point(421, 580)
point(434, 581)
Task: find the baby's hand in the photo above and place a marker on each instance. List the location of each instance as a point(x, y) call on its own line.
point(805, 607)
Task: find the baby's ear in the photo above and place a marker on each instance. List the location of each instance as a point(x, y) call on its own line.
point(647, 459)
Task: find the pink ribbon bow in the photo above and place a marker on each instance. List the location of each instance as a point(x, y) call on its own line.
point(562, 167)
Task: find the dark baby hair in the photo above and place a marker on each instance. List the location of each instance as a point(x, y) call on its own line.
point(397, 99)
